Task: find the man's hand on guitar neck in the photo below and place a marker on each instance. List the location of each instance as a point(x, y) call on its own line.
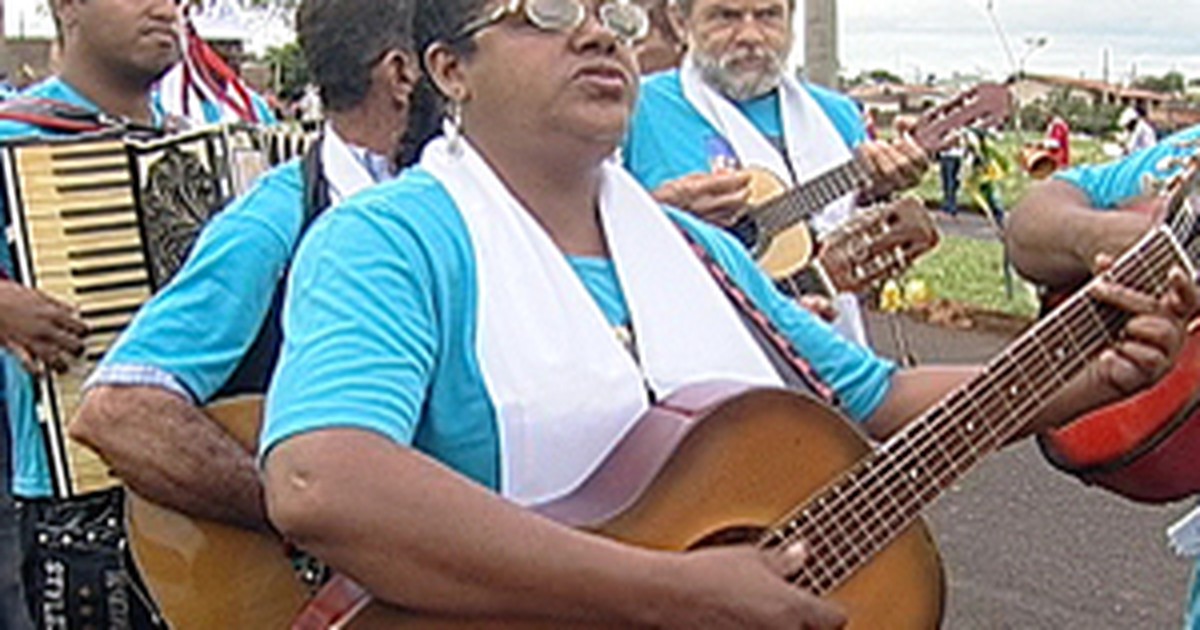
point(1144, 353)
point(895, 165)
point(719, 198)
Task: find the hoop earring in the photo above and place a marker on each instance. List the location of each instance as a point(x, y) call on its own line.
point(454, 127)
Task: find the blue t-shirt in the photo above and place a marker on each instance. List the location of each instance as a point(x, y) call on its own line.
point(199, 327)
point(1108, 185)
point(31, 477)
point(668, 138)
point(30, 473)
point(380, 328)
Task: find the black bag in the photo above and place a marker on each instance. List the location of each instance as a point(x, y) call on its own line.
point(76, 565)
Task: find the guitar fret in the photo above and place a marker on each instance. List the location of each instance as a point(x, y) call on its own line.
point(875, 500)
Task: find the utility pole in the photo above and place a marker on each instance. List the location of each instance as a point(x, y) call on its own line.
point(4, 62)
point(820, 42)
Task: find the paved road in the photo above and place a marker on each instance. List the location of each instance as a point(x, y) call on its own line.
point(1027, 547)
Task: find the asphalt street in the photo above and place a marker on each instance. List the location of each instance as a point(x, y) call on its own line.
point(1025, 546)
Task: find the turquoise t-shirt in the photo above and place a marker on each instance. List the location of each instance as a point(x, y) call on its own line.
point(380, 328)
point(1108, 185)
point(198, 327)
point(31, 477)
point(668, 138)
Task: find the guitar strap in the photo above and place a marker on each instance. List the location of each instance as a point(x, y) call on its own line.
point(787, 361)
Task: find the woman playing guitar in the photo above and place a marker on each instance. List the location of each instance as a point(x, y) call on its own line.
point(451, 366)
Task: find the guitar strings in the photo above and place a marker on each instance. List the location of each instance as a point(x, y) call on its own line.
point(864, 478)
point(955, 457)
point(885, 516)
point(1186, 220)
point(869, 479)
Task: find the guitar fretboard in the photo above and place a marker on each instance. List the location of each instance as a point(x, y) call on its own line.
point(871, 504)
point(807, 199)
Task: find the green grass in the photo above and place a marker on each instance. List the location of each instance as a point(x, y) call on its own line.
point(970, 271)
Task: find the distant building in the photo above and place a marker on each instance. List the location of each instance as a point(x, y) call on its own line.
point(1033, 88)
point(885, 101)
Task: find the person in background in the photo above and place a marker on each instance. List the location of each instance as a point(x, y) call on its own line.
point(663, 47)
point(950, 162)
point(111, 54)
point(1058, 141)
point(733, 104)
point(214, 330)
point(1138, 132)
point(204, 88)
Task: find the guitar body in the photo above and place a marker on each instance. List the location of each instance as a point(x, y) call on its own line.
point(788, 252)
point(737, 469)
point(1145, 447)
point(206, 575)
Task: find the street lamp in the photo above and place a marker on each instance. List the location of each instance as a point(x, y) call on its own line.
point(1032, 45)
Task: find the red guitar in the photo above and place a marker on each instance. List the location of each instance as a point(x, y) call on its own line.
point(1144, 447)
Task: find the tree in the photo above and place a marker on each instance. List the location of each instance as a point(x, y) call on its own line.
point(1082, 114)
point(873, 77)
point(288, 69)
point(1169, 83)
point(883, 76)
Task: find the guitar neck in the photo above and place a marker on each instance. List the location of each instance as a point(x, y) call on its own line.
point(872, 503)
point(806, 200)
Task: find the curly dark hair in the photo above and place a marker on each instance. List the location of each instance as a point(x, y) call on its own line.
point(344, 39)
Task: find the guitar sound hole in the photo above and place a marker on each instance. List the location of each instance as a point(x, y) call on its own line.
point(739, 535)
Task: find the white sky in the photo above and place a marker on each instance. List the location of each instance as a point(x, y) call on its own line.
point(943, 36)
point(918, 37)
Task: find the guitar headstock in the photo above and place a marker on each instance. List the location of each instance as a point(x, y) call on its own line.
point(985, 105)
point(877, 244)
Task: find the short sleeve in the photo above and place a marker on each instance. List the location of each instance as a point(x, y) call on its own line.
point(360, 330)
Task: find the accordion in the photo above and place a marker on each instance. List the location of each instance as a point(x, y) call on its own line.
point(100, 223)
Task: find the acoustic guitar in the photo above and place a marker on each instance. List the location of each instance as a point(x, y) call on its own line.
point(776, 223)
point(1144, 447)
point(720, 464)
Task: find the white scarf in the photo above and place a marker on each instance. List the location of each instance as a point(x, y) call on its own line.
point(565, 390)
point(344, 171)
point(813, 143)
point(813, 147)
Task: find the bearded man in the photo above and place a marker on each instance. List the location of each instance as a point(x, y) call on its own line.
point(733, 105)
